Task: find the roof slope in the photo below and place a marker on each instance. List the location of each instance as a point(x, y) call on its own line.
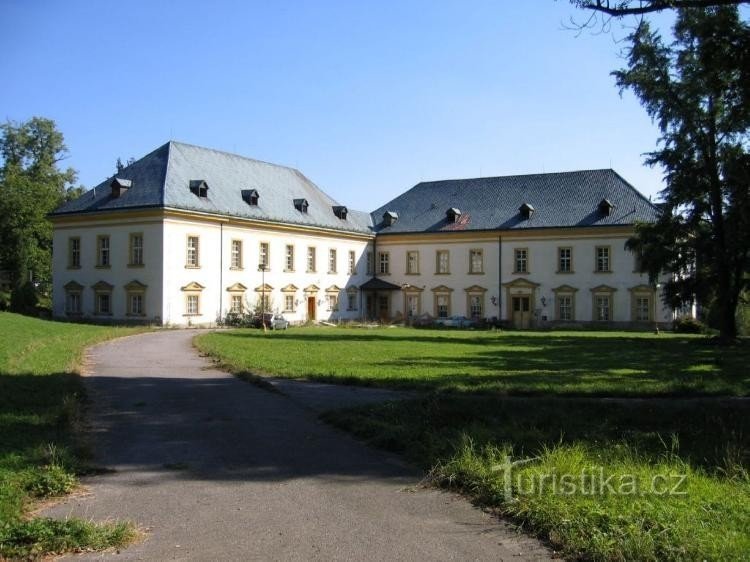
point(162, 179)
point(566, 199)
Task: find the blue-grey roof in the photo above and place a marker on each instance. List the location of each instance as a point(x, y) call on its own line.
point(163, 179)
point(566, 199)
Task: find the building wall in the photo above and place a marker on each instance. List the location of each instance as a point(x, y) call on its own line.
point(118, 274)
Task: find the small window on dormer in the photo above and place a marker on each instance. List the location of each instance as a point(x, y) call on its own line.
point(606, 207)
point(390, 218)
point(526, 210)
point(340, 212)
point(199, 188)
point(120, 186)
point(250, 196)
point(453, 214)
point(301, 205)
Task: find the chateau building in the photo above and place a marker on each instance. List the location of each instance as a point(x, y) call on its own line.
point(186, 235)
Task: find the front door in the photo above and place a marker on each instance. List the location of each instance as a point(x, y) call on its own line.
point(310, 309)
point(521, 312)
point(370, 306)
point(384, 307)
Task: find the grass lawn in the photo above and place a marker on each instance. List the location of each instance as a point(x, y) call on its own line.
point(571, 363)
point(40, 400)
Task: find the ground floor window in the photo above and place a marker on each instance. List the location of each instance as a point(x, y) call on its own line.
point(135, 304)
point(603, 307)
point(288, 303)
point(73, 302)
point(332, 302)
point(235, 306)
point(565, 308)
point(412, 306)
point(642, 308)
point(192, 304)
point(351, 300)
point(104, 303)
point(442, 305)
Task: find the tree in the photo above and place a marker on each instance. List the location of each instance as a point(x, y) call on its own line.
point(619, 8)
point(31, 186)
point(697, 89)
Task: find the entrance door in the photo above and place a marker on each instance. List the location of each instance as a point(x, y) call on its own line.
point(311, 309)
point(370, 306)
point(384, 307)
point(521, 312)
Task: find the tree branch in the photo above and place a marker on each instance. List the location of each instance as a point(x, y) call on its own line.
point(625, 8)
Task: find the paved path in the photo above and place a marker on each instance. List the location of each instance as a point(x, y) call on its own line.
point(218, 469)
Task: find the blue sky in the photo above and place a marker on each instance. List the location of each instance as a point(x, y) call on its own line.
point(365, 98)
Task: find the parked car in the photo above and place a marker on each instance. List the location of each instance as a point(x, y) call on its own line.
point(272, 321)
point(455, 322)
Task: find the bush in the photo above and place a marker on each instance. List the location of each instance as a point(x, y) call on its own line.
point(688, 325)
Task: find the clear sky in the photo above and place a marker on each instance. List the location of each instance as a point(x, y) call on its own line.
point(366, 98)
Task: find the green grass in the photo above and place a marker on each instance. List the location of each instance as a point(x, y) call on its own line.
point(40, 400)
point(571, 363)
point(468, 442)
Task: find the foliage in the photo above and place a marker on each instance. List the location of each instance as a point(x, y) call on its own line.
point(31, 186)
point(40, 397)
point(688, 325)
point(698, 92)
point(468, 440)
point(619, 8)
point(570, 363)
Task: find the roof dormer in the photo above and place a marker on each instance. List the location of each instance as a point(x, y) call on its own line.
point(120, 186)
point(390, 218)
point(340, 211)
point(199, 188)
point(250, 196)
point(526, 210)
point(606, 207)
point(453, 214)
point(301, 205)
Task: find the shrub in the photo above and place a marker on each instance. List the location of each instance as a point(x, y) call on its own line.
point(688, 325)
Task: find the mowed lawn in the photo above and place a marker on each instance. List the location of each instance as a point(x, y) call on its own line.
point(40, 404)
point(571, 363)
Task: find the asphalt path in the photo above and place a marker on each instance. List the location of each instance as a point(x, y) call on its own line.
point(214, 468)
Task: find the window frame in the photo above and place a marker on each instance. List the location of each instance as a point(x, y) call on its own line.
point(236, 254)
point(289, 258)
point(409, 255)
point(332, 261)
point(194, 261)
point(103, 248)
point(438, 262)
point(311, 259)
point(74, 252)
point(597, 258)
point(560, 259)
point(135, 251)
point(384, 263)
point(264, 256)
point(352, 262)
point(188, 298)
point(479, 252)
point(525, 260)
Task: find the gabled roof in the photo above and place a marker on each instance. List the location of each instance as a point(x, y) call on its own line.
point(566, 199)
point(162, 179)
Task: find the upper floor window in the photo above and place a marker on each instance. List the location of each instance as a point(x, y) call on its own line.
point(521, 260)
point(370, 266)
point(264, 256)
point(564, 260)
point(442, 261)
point(412, 262)
point(192, 257)
point(74, 252)
point(102, 251)
point(602, 259)
point(332, 260)
point(136, 249)
point(289, 259)
point(476, 261)
point(236, 259)
point(310, 259)
point(384, 265)
point(352, 262)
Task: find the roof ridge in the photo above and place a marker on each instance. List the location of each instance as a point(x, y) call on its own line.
point(523, 175)
point(234, 154)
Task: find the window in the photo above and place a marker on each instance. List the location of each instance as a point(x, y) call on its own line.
point(135, 304)
point(235, 305)
point(412, 305)
point(332, 302)
point(104, 303)
point(442, 259)
point(602, 259)
point(564, 260)
point(476, 261)
point(384, 266)
point(642, 308)
point(289, 259)
point(310, 259)
point(136, 249)
point(603, 307)
point(370, 267)
point(192, 305)
point(192, 252)
point(102, 251)
point(288, 303)
point(475, 306)
point(236, 259)
point(565, 308)
point(442, 306)
point(332, 260)
point(352, 262)
point(412, 263)
point(520, 260)
point(73, 302)
point(74, 253)
point(263, 256)
point(351, 299)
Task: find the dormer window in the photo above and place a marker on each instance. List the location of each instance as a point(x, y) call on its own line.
point(453, 214)
point(120, 186)
point(250, 196)
point(199, 188)
point(301, 205)
point(340, 212)
point(390, 218)
point(526, 210)
point(606, 207)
